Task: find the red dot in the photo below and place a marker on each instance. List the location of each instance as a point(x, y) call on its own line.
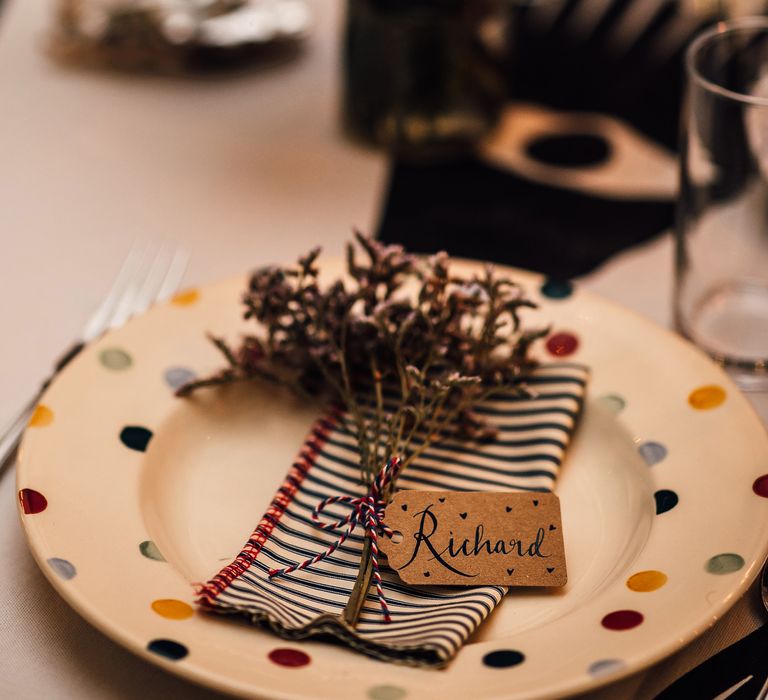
point(293, 658)
point(32, 501)
point(562, 344)
point(760, 487)
point(622, 620)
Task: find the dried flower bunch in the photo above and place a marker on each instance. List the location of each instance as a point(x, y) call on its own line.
point(404, 346)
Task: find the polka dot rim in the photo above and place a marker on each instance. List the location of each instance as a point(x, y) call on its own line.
point(562, 344)
point(32, 502)
point(135, 437)
point(503, 658)
point(606, 667)
point(115, 359)
point(172, 609)
point(666, 500)
point(707, 397)
point(186, 298)
point(41, 416)
point(621, 620)
point(64, 569)
point(289, 658)
point(646, 581)
point(726, 563)
point(556, 288)
point(652, 452)
point(150, 551)
point(167, 648)
point(760, 486)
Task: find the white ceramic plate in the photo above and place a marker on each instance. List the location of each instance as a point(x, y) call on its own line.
point(663, 430)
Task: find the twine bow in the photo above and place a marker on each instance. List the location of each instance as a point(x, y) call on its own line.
point(367, 510)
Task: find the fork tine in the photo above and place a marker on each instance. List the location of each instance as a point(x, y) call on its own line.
point(128, 299)
point(175, 273)
point(151, 284)
point(99, 321)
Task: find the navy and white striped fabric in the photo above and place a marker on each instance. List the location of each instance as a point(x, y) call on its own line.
point(429, 624)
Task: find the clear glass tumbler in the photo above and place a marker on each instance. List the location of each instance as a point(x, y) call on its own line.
point(721, 276)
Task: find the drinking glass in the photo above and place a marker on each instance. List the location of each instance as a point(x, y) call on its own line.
point(721, 275)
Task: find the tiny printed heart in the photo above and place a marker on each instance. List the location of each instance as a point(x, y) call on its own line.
point(509, 509)
point(442, 500)
point(552, 527)
point(404, 506)
point(426, 573)
point(463, 516)
point(510, 572)
point(535, 503)
point(550, 570)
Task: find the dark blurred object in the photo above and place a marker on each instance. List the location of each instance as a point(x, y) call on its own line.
point(171, 36)
point(477, 211)
point(614, 67)
point(420, 76)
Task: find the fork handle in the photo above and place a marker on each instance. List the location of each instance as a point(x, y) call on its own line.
point(10, 439)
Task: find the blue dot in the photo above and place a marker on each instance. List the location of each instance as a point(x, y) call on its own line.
point(168, 648)
point(63, 568)
point(665, 500)
point(652, 452)
point(135, 437)
point(503, 658)
point(177, 377)
point(606, 667)
point(557, 289)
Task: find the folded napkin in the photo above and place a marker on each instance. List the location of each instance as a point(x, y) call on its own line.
point(429, 624)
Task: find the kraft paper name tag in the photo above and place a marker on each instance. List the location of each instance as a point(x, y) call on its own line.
point(468, 539)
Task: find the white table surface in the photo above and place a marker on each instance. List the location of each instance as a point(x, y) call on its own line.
point(241, 171)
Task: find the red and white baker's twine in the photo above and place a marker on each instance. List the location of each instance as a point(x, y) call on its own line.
point(367, 510)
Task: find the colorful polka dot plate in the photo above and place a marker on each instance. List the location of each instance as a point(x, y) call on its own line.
point(129, 496)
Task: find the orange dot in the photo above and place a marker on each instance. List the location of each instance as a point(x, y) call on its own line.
point(186, 298)
point(646, 581)
point(41, 416)
point(172, 609)
point(706, 397)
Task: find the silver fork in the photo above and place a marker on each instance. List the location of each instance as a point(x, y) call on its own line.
point(148, 274)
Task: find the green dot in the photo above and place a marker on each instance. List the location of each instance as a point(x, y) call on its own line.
point(612, 402)
point(725, 563)
point(114, 358)
point(150, 551)
point(386, 692)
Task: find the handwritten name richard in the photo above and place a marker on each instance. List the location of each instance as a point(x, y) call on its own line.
point(476, 538)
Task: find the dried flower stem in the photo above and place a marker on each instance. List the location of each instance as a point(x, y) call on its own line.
point(445, 348)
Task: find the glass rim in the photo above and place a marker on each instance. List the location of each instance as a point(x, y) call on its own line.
point(720, 29)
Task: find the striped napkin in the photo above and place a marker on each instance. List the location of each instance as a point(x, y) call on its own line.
point(429, 624)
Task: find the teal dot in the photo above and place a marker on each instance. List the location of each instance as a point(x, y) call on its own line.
point(150, 551)
point(386, 692)
point(606, 667)
point(557, 289)
point(115, 358)
point(612, 402)
point(62, 567)
point(725, 563)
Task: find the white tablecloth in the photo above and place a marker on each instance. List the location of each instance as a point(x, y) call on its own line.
point(242, 170)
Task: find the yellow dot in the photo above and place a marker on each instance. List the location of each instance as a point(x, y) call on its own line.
point(186, 298)
point(41, 416)
point(172, 609)
point(706, 397)
point(646, 581)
